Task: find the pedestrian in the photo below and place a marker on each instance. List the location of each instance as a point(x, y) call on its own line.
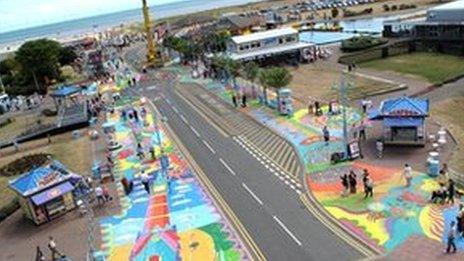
point(99, 195)
point(140, 153)
point(362, 131)
point(234, 100)
point(106, 194)
point(460, 220)
point(326, 134)
point(352, 182)
point(451, 237)
point(407, 173)
point(244, 100)
point(344, 179)
point(39, 256)
point(379, 146)
point(451, 191)
point(53, 249)
point(136, 116)
point(368, 184)
point(317, 108)
point(364, 105)
point(145, 181)
point(152, 153)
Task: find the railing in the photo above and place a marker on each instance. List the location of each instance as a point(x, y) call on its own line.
point(457, 177)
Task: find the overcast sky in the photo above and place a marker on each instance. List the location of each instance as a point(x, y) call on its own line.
point(18, 14)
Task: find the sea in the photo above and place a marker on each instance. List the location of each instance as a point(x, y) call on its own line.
point(74, 28)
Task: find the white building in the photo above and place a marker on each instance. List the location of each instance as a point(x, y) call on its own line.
point(266, 44)
point(450, 12)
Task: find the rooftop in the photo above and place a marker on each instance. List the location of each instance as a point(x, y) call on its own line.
point(449, 6)
point(40, 178)
point(270, 51)
point(401, 107)
point(264, 35)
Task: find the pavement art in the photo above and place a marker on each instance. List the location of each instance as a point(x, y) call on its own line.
point(177, 221)
point(385, 221)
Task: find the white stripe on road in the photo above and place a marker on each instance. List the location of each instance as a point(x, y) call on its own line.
point(252, 194)
point(183, 119)
point(227, 167)
point(287, 230)
point(175, 109)
point(195, 131)
point(209, 146)
point(168, 101)
point(152, 87)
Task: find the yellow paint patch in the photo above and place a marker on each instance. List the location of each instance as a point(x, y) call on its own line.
point(375, 228)
point(196, 245)
point(429, 185)
point(120, 253)
point(428, 224)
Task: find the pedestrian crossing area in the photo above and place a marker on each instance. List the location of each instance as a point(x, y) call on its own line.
point(277, 149)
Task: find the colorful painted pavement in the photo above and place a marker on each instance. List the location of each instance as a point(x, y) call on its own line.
point(393, 215)
point(178, 220)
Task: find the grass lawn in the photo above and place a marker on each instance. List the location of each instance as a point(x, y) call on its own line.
point(433, 67)
point(22, 123)
point(316, 81)
point(449, 113)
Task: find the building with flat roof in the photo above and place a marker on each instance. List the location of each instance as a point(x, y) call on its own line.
point(262, 45)
point(443, 24)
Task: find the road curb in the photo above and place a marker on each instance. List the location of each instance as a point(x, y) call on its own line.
point(348, 237)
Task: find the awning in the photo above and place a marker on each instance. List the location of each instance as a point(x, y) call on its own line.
point(374, 114)
point(52, 193)
point(403, 122)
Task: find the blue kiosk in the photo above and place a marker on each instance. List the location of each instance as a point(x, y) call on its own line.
point(403, 120)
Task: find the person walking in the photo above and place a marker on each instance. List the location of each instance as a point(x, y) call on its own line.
point(145, 181)
point(325, 132)
point(460, 220)
point(379, 147)
point(140, 153)
point(39, 256)
point(368, 184)
point(344, 180)
point(451, 237)
point(234, 100)
point(451, 191)
point(362, 131)
point(99, 195)
point(244, 100)
point(53, 249)
point(407, 173)
point(352, 182)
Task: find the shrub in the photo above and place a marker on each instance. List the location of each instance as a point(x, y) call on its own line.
point(8, 209)
point(394, 7)
point(49, 112)
point(6, 122)
point(386, 7)
point(23, 164)
point(358, 43)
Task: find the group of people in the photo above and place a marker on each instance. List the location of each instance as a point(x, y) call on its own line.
point(54, 252)
point(350, 182)
point(102, 194)
point(447, 191)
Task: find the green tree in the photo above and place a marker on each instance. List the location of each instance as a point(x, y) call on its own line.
point(250, 72)
point(67, 56)
point(277, 78)
point(39, 61)
point(262, 76)
point(232, 69)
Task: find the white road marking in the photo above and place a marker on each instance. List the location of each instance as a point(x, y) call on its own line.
point(168, 101)
point(152, 87)
point(209, 146)
point(195, 131)
point(183, 119)
point(252, 194)
point(227, 167)
point(175, 109)
point(287, 230)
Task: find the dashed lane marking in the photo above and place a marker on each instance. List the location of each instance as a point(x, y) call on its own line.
point(227, 166)
point(252, 194)
point(281, 224)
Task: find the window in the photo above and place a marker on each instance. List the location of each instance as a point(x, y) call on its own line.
point(290, 39)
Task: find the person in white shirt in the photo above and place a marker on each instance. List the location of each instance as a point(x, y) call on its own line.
point(407, 175)
point(99, 194)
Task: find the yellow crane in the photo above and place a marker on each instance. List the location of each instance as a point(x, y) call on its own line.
point(152, 59)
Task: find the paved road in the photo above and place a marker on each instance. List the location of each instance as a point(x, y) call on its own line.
point(276, 151)
point(257, 193)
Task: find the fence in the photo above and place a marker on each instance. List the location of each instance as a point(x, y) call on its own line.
point(397, 48)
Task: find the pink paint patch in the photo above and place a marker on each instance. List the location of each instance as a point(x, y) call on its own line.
point(125, 153)
point(408, 196)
